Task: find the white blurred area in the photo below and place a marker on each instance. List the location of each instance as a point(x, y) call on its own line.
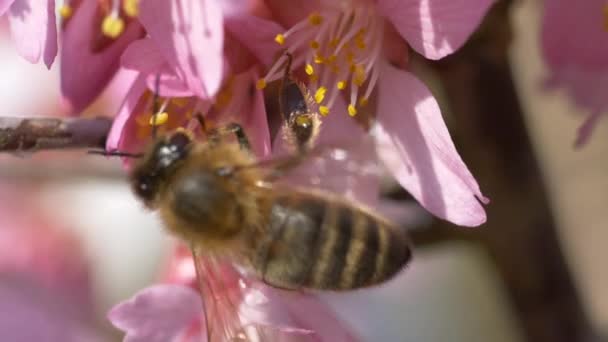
point(450, 293)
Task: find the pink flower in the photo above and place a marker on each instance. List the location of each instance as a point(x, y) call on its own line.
point(33, 29)
point(45, 292)
point(222, 93)
point(574, 46)
point(94, 36)
point(173, 312)
point(346, 46)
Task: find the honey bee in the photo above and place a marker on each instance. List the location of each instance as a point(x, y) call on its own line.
point(227, 205)
point(217, 197)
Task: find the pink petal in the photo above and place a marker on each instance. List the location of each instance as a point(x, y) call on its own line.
point(157, 314)
point(4, 5)
point(85, 73)
point(121, 136)
point(254, 120)
point(34, 30)
point(190, 34)
point(256, 34)
point(415, 145)
point(573, 32)
point(142, 55)
point(288, 13)
point(435, 28)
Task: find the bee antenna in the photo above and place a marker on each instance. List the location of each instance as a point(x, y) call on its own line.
point(115, 153)
point(155, 106)
point(287, 65)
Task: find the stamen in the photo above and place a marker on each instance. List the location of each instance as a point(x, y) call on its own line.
point(280, 39)
point(352, 111)
point(309, 69)
point(341, 85)
point(320, 94)
point(112, 26)
point(605, 10)
point(315, 19)
point(159, 119)
point(65, 11)
point(260, 84)
point(324, 110)
point(131, 7)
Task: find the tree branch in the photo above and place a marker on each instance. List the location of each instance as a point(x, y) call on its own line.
point(30, 134)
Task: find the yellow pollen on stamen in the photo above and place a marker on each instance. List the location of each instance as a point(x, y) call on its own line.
point(341, 85)
point(319, 59)
point(320, 94)
point(331, 59)
point(334, 43)
point(324, 110)
point(65, 11)
point(314, 44)
point(280, 39)
point(159, 119)
point(260, 84)
point(309, 69)
point(131, 7)
point(352, 111)
point(112, 26)
point(363, 102)
point(360, 76)
point(315, 19)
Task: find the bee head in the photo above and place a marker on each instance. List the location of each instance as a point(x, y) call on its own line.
point(158, 163)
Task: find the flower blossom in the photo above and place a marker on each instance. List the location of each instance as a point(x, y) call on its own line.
point(94, 35)
point(347, 49)
point(33, 28)
point(174, 311)
point(574, 47)
point(219, 87)
point(45, 291)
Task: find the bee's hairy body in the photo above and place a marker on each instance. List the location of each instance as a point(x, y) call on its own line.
point(291, 238)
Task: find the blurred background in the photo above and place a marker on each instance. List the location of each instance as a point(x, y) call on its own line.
point(508, 280)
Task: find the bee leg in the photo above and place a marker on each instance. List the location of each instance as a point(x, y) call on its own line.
point(231, 128)
point(115, 153)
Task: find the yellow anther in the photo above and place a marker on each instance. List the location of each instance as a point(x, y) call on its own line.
point(350, 57)
point(315, 19)
point(352, 111)
point(314, 44)
point(309, 69)
point(159, 119)
point(314, 78)
point(341, 85)
point(363, 101)
point(112, 26)
point(280, 39)
point(334, 43)
point(331, 59)
point(324, 110)
point(360, 43)
point(360, 76)
point(65, 11)
point(260, 84)
point(319, 59)
point(320, 94)
point(131, 7)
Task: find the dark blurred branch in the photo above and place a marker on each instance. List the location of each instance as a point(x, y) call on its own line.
point(29, 134)
point(520, 234)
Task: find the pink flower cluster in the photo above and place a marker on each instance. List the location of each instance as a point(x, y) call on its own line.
point(216, 57)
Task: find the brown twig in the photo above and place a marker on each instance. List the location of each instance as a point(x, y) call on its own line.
point(30, 134)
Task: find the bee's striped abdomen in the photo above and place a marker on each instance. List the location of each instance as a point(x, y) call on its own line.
point(321, 244)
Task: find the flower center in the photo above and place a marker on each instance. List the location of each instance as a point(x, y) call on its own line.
point(116, 14)
point(340, 49)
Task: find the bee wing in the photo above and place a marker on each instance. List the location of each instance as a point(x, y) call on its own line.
point(350, 170)
point(234, 305)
